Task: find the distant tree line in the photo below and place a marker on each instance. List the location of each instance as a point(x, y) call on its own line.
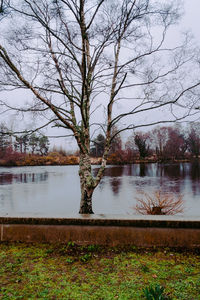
point(163, 143)
point(166, 142)
point(24, 143)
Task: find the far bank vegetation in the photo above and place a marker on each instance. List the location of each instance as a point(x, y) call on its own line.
point(160, 144)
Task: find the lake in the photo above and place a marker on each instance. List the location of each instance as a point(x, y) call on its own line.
point(54, 190)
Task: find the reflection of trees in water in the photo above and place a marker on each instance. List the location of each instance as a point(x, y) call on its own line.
point(195, 170)
point(6, 178)
point(23, 178)
point(114, 173)
point(151, 177)
point(154, 177)
point(195, 177)
point(195, 188)
point(174, 171)
point(179, 171)
point(168, 178)
point(141, 170)
point(128, 170)
point(115, 185)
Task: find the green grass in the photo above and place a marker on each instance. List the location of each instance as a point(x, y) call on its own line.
point(44, 271)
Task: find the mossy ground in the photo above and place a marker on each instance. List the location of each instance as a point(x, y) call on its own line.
point(44, 271)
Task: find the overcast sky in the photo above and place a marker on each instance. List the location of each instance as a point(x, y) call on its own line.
point(190, 21)
point(191, 18)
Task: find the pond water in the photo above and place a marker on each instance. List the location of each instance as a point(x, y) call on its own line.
point(54, 190)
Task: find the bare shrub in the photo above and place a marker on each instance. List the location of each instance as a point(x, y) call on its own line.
point(159, 204)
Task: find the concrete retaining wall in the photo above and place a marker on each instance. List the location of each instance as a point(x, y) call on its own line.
point(147, 231)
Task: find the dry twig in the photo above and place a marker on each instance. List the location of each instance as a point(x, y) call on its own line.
point(159, 204)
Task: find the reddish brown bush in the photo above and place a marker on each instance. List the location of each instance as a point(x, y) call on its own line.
point(159, 204)
point(11, 157)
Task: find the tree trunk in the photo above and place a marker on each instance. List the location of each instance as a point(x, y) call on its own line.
point(86, 183)
point(86, 203)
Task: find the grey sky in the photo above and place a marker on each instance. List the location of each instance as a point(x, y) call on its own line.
point(191, 18)
point(190, 21)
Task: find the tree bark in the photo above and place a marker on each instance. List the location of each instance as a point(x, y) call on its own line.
point(86, 183)
point(86, 202)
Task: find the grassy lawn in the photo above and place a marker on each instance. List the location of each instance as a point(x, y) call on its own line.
point(42, 271)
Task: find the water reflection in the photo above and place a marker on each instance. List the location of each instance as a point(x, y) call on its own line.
point(115, 185)
point(56, 188)
point(10, 178)
point(195, 177)
point(143, 170)
point(195, 171)
point(140, 170)
point(174, 171)
point(115, 173)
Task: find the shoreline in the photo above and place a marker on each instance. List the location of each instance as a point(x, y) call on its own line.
point(42, 161)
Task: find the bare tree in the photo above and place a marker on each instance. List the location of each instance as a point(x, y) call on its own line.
point(169, 142)
point(194, 139)
point(176, 145)
point(160, 138)
point(81, 58)
point(116, 145)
